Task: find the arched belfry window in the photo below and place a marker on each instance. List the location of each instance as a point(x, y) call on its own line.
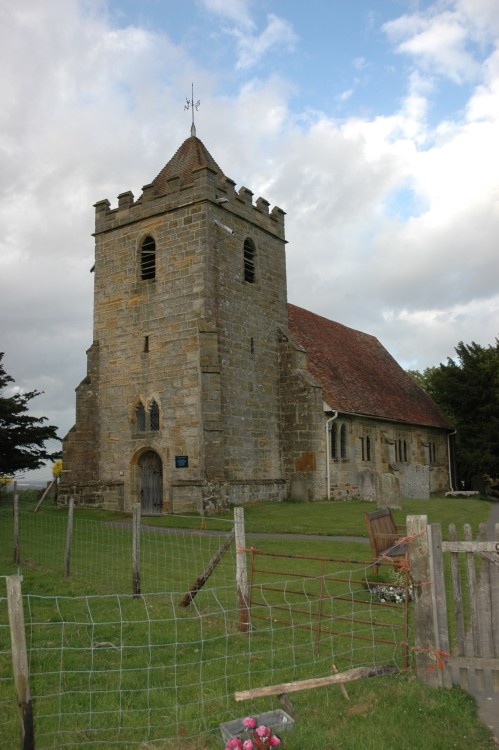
point(148, 258)
point(249, 260)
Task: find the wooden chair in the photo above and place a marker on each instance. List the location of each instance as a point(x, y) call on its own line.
point(387, 543)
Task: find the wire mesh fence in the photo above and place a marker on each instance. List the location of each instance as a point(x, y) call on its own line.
point(110, 668)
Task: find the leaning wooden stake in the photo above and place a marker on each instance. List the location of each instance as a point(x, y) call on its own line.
point(45, 494)
point(201, 580)
point(20, 660)
point(136, 550)
point(334, 679)
point(342, 687)
point(69, 537)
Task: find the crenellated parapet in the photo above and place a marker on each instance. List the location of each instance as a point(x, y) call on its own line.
point(175, 192)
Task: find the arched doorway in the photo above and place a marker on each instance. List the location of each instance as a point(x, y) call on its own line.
point(151, 483)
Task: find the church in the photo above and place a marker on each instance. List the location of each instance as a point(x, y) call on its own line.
point(205, 388)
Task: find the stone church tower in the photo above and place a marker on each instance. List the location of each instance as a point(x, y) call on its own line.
point(180, 408)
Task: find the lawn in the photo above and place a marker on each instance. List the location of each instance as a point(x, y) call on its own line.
point(108, 668)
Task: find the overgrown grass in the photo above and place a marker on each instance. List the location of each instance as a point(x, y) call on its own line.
point(162, 670)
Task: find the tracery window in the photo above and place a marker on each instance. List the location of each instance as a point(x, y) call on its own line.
point(140, 417)
point(147, 421)
point(154, 416)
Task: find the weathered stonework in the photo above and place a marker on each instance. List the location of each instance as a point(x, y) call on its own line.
point(198, 340)
point(400, 464)
point(197, 394)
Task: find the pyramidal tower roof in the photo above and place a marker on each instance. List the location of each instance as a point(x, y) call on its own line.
point(191, 155)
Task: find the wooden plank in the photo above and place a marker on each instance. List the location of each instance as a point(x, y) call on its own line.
point(438, 600)
point(473, 546)
point(472, 588)
point(494, 587)
point(425, 641)
point(474, 661)
point(457, 592)
point(486, 625)
point(333, 679)
point(484, 602)
point(20, 660)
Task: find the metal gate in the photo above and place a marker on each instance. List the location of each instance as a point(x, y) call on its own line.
point(151, 483)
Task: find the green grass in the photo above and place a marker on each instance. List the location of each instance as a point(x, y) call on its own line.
point(325, 518)
point(338, 518)
point(132, 671)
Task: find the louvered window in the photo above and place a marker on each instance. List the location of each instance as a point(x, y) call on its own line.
point(148, 259)
point(249, 260)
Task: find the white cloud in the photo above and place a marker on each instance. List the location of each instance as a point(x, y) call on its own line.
point(438, 42)
point(237, 11)
point(253, 47)
point(391, 221)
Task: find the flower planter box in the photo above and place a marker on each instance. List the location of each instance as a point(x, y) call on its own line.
point(278, 720)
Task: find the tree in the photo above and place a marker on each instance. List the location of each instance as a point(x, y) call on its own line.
point(467, 391)
point(22, 437)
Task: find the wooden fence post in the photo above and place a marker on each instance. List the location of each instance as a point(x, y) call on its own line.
point(430, 611)
point(45, 494)
point(241, 571)
point(20, 661)
point(136, 550)
point(69, 538)
point(17, 551)
point(439, 605)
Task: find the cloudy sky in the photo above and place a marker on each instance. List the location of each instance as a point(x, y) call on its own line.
point(373, 123)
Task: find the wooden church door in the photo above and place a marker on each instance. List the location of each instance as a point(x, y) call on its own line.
point(151, 484)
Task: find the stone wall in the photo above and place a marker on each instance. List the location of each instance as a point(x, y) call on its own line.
point(400, 464)
point(198, 340)
point(302, 424)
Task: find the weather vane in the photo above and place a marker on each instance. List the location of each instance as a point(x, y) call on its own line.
point(192, 105)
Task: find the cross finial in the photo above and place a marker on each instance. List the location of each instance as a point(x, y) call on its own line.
point(192, 105)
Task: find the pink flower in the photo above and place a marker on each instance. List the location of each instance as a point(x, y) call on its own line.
point(263, 731)
point(249, 722)
point(248, 745)
point(234, 744)
point(274, 741)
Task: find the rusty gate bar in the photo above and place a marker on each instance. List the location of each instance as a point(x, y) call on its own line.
point(321, 596)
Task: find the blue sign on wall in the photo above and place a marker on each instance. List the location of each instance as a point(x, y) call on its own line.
point(181, 462)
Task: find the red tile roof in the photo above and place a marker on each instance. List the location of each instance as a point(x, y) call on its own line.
point(191, 155)
point(358, 375)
